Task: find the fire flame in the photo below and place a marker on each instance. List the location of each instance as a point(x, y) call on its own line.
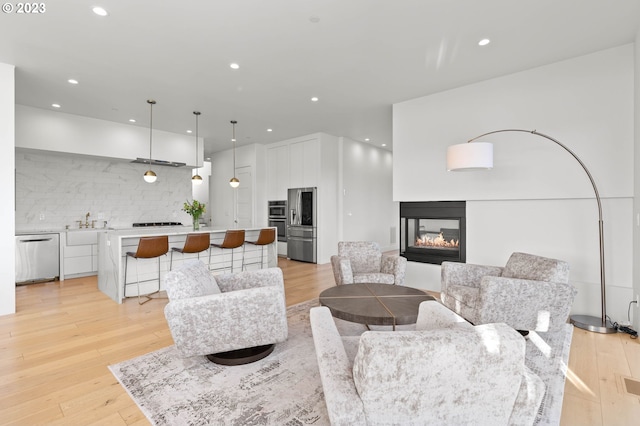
point(438, 241)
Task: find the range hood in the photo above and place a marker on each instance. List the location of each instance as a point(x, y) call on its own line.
point(158, 162)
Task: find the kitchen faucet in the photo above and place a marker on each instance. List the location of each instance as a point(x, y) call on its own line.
point(86, 222)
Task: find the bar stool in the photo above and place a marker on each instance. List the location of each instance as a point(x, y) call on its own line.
point(233, 239)
point(148, 248)
point(195, 243)
point(267, 236)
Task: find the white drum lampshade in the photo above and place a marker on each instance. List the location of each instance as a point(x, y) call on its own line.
point(470, 156)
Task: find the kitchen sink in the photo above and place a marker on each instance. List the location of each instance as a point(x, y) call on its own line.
point(79, 237)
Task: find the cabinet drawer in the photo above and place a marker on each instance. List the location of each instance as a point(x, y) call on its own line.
point(75, 251)
point(77, 265)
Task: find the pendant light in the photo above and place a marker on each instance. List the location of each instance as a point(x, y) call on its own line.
point(234, 182)
point(196, 179)
point(149, 175)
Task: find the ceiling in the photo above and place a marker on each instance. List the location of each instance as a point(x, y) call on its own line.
point(358, 57)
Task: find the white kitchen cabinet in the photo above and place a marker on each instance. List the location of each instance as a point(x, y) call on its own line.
point(80, 253)
point(78, 264)
point(277, 172)
point(304, 163)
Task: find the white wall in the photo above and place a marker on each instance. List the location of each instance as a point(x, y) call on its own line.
point(328, 213)
point(7, 179)
point(368, 210)
point(537, 198)
point(57, 131)
point(223, 198)
point(201, 192)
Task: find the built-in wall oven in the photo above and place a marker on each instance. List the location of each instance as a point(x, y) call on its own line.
point(278, 218)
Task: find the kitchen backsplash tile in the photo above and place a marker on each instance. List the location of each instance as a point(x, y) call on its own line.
point(55, 190)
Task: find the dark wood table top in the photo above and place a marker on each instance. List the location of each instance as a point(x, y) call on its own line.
point(375, 304)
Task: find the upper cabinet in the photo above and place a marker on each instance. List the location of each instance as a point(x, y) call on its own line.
point(292, 164)
point(304, 163)
point(42, 129)
point(277, 172)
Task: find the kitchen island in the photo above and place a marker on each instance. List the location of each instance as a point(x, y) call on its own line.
point(113, 246)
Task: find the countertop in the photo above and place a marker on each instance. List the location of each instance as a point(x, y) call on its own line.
point(131, 231)
point(166, 230)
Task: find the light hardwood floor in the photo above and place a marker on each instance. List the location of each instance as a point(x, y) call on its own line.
point(55, 350)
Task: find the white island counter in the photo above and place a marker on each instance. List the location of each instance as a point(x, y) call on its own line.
point(113, 246)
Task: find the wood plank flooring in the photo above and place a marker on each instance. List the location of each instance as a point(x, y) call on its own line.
point(55, 350)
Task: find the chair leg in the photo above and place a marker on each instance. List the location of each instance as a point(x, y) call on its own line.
point(171, 261)
point(232, 260)
point(124, 290)
point(223, 267)
point(147, 296)
point(264, 262)
point(138, 283)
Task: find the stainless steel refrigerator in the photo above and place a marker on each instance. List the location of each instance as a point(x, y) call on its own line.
point(301, 226)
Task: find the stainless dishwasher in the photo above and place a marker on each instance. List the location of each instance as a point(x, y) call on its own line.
point(37, 258)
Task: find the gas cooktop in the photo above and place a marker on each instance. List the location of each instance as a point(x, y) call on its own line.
point(140, 224)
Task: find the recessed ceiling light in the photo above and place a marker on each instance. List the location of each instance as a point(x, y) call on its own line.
point(384, 144)
point(234, 66)
point(100, 11)
point(269, 130)
point(484, 42)
point(366, 139)
point(189, 131)
point(314, 99)
point(132, 120)
point(72, 81)
point(55, 105)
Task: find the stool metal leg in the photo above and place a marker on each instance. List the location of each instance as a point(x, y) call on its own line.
point(148, 296)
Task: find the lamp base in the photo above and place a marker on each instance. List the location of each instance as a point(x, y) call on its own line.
point(590, 323)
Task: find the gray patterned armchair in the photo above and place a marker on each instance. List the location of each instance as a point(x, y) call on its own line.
point(447, 372)
point(529, 293)
point(208, 315)
point(363, 262)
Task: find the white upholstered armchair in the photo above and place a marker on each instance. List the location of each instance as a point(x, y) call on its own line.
point(447, 372)
point(529, 293)
point(363, 262)
point(208, 315)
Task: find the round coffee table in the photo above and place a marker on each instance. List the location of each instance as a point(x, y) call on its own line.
point(375, 304)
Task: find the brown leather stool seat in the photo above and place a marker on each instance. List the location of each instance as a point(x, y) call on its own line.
point(195, 243)
point(233, 239)
point(267, 236)
point(148, 248)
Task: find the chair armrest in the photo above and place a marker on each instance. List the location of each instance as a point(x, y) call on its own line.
point(525, 304)
point(455, 273)
point(228, 321)
point(250, 279)
point(395, 265)
point(340, 394)
point(342, 270)
point(433, 315)
point(528, 400)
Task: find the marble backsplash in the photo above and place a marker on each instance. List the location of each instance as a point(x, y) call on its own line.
point(56, 190)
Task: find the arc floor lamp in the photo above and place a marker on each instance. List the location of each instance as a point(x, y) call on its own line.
point(479, 156)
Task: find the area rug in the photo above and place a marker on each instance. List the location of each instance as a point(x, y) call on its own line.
point(285, 388)
point(281, 389)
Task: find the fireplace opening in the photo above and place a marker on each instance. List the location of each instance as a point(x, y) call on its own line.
point(433, 231)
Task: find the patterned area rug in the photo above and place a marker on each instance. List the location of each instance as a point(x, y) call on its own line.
point(282, 389)
point(285, 388)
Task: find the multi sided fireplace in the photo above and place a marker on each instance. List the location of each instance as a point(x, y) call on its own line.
point(433, 231)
